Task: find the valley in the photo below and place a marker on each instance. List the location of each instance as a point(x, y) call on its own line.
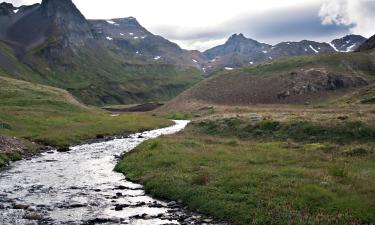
point(104, 122)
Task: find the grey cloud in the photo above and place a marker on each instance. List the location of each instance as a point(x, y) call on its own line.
point(287, 24)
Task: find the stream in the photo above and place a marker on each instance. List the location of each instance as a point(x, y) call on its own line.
point(80, 187)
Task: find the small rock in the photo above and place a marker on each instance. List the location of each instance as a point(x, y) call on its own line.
point(20, 206)
point(146, 217)
point(118, 208)
point(32, 209)
point(121, 187)
point(33, 216)
point(99, 136)
point(207, 220)
point(63, 149)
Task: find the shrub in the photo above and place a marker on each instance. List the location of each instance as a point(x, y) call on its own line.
point(358, 151)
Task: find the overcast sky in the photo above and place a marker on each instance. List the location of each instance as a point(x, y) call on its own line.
point(201, 24)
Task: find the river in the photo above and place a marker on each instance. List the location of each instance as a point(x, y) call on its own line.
point(80, 187)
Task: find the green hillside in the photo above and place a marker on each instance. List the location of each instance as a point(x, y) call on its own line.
point(52, 116)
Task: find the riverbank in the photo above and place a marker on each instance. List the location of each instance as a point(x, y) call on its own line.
point(83, 188)
point(267, 172)
point(36, 116)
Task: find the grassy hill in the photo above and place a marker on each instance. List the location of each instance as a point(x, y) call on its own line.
point(51, 116)
point(296, 80)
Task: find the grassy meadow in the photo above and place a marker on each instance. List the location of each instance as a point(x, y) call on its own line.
point(270, 172)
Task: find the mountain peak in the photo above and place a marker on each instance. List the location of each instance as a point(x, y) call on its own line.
point(66, 7)
point(236, 37)
point(7, 5)
point(6, 8)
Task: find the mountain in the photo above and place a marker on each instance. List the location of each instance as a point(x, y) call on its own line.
point(240, 51)
point(348, 43)
point(135, 40)
point(368, 45)
point(295, 80)
point(99, 61)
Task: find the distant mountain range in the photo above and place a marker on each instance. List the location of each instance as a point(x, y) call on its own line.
point(240, 51)
point(118, 61)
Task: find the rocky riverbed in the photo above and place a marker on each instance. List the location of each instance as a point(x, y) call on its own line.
point(80, 187)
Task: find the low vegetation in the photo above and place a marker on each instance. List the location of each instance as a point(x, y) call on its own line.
point(269, 172)
point(51, 116)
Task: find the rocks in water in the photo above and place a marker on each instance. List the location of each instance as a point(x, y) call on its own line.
point(33, 216)
point(32, 209)
point(121, 187)
point(156, 205)
point(119, 207)
point(64, 148)
point(20, 206)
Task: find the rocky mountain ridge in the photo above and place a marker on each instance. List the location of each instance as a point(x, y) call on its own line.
point(240, 51)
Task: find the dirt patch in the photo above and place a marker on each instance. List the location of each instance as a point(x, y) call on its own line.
point(11, 145)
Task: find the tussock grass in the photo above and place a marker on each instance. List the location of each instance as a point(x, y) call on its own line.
point(248, 173)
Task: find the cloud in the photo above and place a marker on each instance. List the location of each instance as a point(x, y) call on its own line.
point(292, 23)
point(358, 14)
point(197, 24)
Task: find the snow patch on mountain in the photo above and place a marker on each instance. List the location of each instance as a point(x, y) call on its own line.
point(112, 22)
point(316, 51)
point(333, 46)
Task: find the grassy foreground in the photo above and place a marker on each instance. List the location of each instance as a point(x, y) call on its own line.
point(264, 173)
point(42, 114)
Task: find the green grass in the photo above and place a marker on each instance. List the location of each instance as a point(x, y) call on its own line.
point(178, 116)
point(306, 131)
point(52, 116)
point(6, 157)
point(238, 176)
point(360, 63)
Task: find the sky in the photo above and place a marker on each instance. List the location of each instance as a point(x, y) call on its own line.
point(202, 24)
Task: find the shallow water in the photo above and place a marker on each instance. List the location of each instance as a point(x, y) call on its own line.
point(80, 187)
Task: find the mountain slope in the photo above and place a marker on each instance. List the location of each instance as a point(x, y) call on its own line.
point(240, 51)
point(368, 45)
point(136, 41)
point(59, 47)
point(290, 81)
